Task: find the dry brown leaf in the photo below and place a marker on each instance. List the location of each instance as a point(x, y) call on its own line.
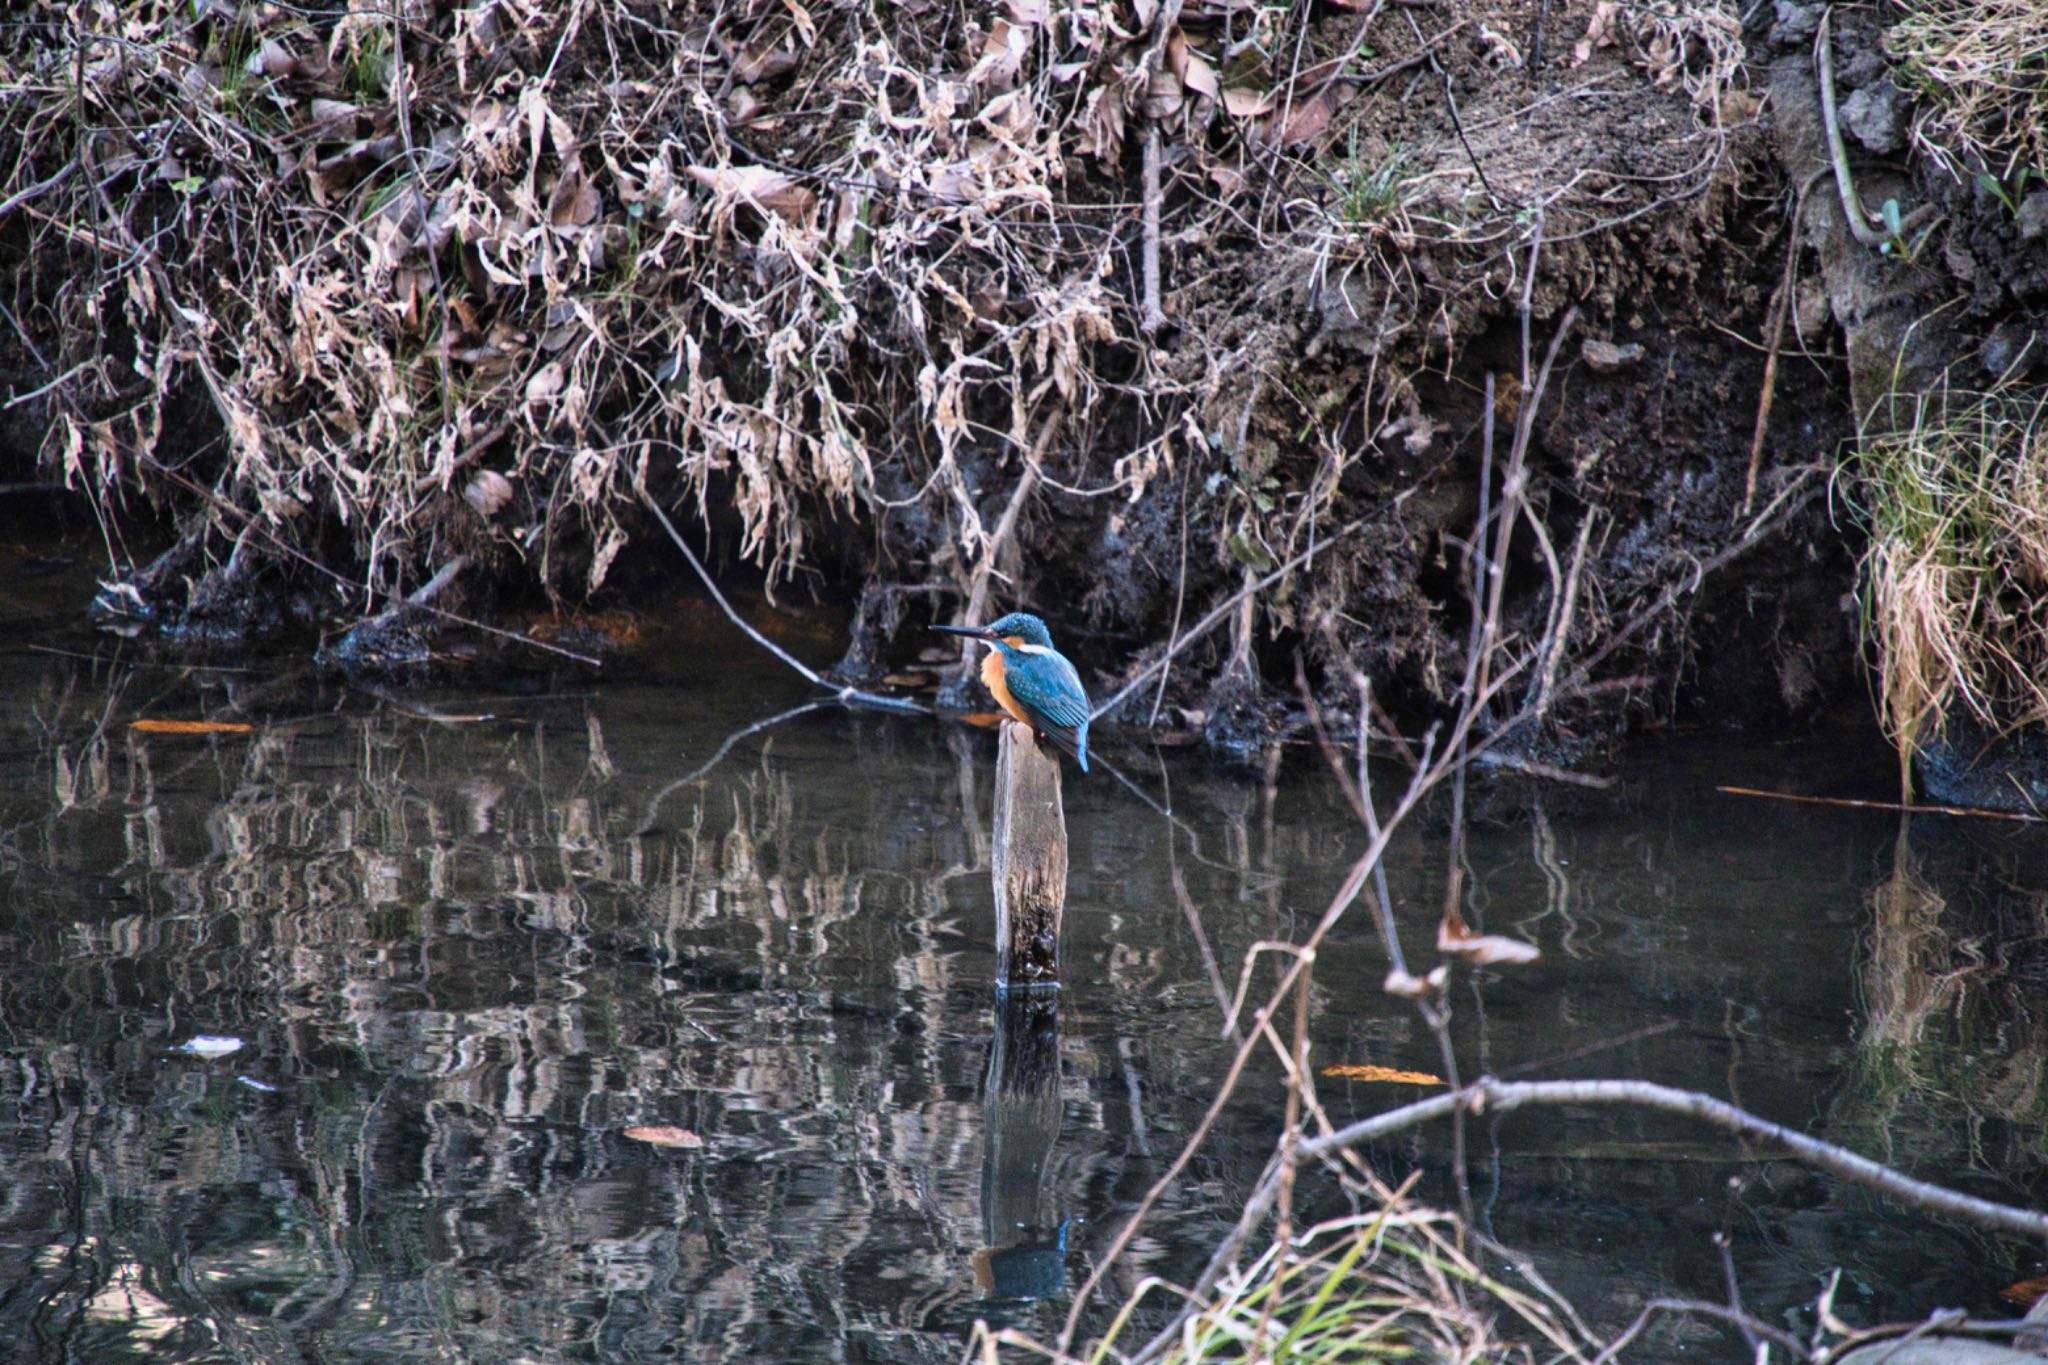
point(663, 1135)
point(1363, 1071)
point(1030, 13)
point(764, 64)
point(325, 111)
point(271, 59)
point(488, 492)
point(1002, 56)
point(190, 727)
point(1102, 125)
point(1198, 75)
point(547, 382)
point(769, 190)
point(1227, 179)
point(1409, 986)
point(806, 26)
point(2024, 1292)
point(576, 202)
point(1599, 31)
point(1243, 102)
point(1164, 95)
point(1305, 121)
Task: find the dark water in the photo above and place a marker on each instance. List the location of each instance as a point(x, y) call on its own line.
point(464, 955)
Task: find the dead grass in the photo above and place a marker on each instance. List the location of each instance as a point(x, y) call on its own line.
point(1392, 1284)
point(444, 281)
point(1982, 68)
point(1950, 484)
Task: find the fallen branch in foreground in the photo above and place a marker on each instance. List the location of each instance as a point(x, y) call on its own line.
point(849, 695)
point(1489, 1095)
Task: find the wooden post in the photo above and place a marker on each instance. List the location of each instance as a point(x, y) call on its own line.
point(1029, 860)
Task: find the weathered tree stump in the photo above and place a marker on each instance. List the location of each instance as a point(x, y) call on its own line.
point(1029, 860)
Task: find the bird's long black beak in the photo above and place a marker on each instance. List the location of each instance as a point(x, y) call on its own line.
point(972, 632)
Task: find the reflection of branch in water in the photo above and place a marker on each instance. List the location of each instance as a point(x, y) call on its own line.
point(1558, 890)
point(1194, 839)
point(654, 804)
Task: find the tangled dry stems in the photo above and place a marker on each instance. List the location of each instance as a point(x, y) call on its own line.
point(464, 279)
point(1982, 68)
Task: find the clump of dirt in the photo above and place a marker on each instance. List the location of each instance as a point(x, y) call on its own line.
point(1115, 310)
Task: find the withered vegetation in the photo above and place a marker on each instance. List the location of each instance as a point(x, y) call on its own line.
point(1111, 307)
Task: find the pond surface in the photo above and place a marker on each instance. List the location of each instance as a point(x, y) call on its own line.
point(466, 941)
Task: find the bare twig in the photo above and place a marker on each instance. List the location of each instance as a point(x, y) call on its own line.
point(1215, 616)
point(1154, 318)
point(851, 695)
point(1180, 593)
point(1006, 526)
point(1781, 306)
point(31, 193)
point(1915, 809)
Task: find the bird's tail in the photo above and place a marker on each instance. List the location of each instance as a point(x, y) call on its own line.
point(1071, 742)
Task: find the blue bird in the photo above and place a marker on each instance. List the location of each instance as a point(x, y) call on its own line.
point(1033, 681)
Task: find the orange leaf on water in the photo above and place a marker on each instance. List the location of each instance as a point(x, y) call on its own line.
point(1358, 1071)
point(1484, 950)
point(2025, 1292)
point(190, 727)
point(661, 1135)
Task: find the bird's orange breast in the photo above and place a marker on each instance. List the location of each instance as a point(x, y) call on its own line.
point(999, 687)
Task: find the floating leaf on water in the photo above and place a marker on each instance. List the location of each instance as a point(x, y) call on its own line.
point(190, 727)
point(1363, 1071)
point(1409, 986)
point(1485, 950)
point(2025, 1292)
point(210, 1045)
point(662, 1135)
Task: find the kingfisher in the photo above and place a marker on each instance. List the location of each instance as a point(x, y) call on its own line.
point(1033, 681)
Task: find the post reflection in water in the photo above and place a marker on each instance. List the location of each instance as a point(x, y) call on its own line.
point(469, 944)
point(1024, 1227)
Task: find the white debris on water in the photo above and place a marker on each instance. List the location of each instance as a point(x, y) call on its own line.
point(210, 1045)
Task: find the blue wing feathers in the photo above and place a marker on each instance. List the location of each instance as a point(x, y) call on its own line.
point(1048, 687)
